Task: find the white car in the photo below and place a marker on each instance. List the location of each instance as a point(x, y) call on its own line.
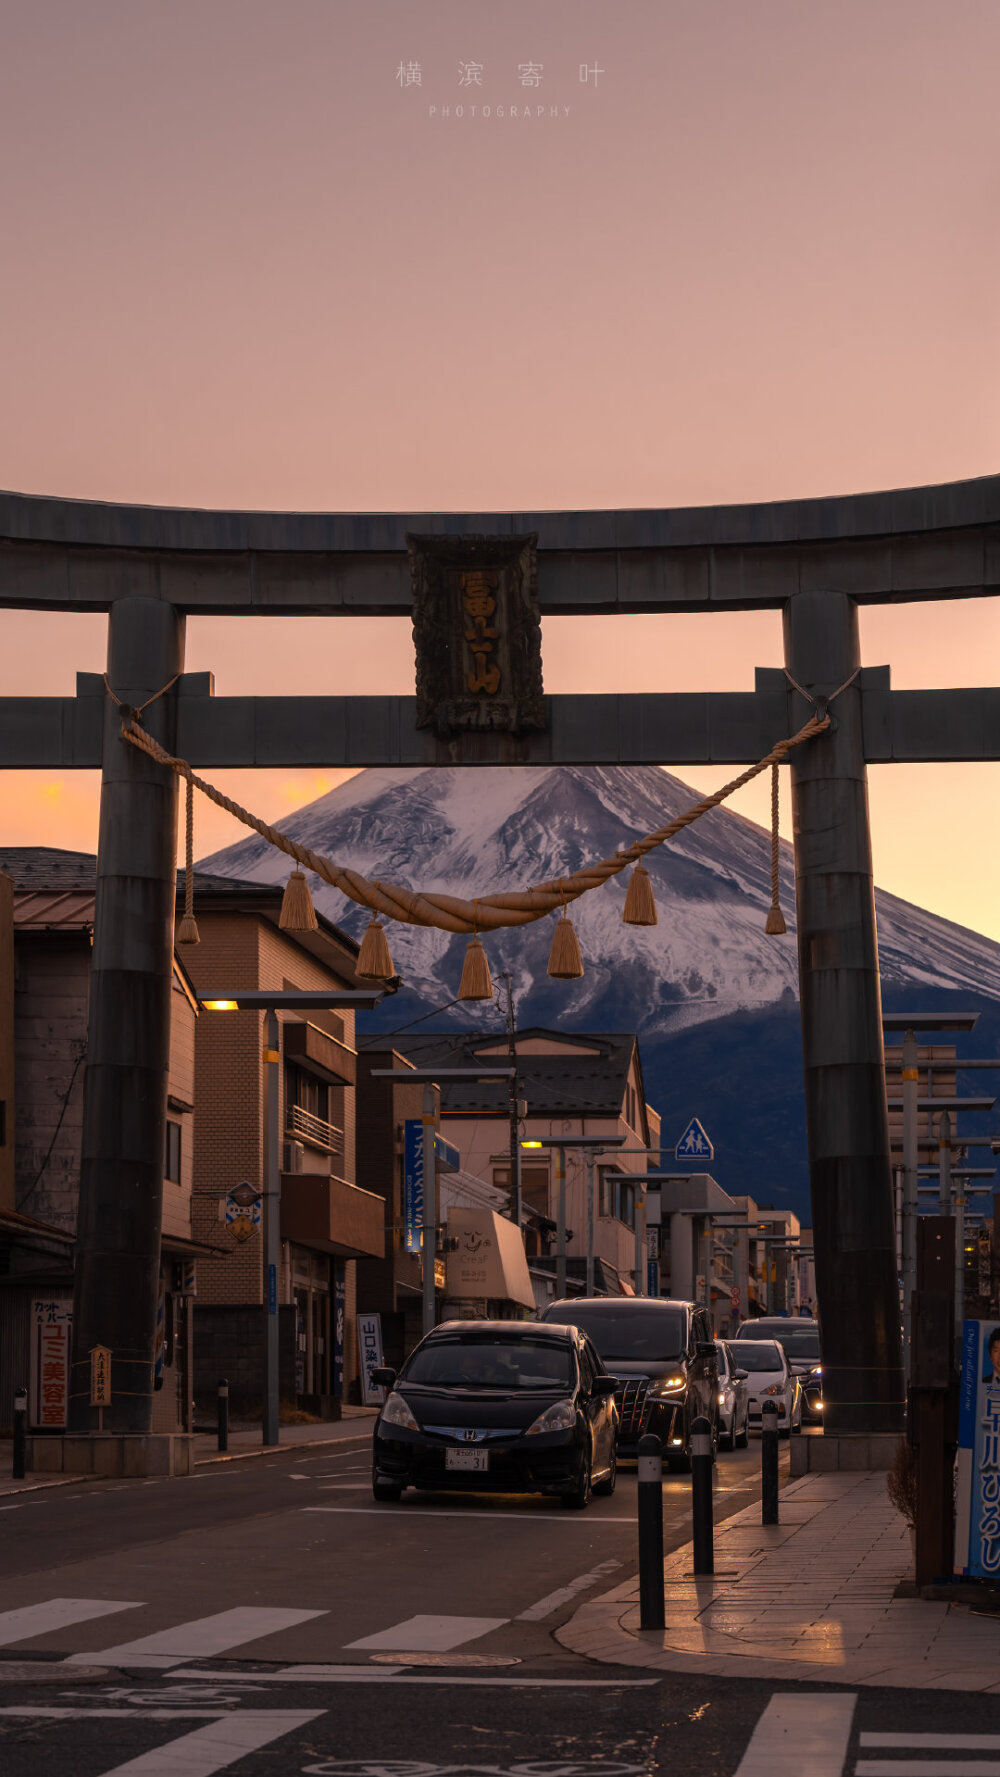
point(769, 1378)
point(734, 1408)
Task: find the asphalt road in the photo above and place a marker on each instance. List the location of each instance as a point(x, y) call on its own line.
point(172, 1629)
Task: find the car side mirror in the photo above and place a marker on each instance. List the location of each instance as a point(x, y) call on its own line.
point(741, 1375)
point(604, 1385)
point(384, 1378)
point(708, 1350)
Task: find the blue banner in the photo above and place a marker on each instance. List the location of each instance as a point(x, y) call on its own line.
point(977, 1538)
point(413, 1183)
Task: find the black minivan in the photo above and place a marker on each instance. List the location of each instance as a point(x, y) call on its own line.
point(662, 1355)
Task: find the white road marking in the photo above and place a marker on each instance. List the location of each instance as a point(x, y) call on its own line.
point(422, 1634)
point(197, 1640)
point(56, 1712)
point(219, 1743)
point(799, 1733)
point(478, 1518)
point(390, 1675)
point(55, 1613)
point(948, 1742)
point(928, 1767)
point(554, 1600)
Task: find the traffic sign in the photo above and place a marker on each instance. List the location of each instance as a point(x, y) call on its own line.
point(734, 1299)
point(694, 1143)
point(241, 1211)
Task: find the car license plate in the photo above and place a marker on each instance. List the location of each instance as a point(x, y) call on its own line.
point(474, 1459)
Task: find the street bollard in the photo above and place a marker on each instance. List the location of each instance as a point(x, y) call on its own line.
point(20, 1433)
point(701, 1496)
point(769, 1464)
point(650, 1492)
point(224, 1414)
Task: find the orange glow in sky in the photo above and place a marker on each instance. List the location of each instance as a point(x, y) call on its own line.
point(752, 257)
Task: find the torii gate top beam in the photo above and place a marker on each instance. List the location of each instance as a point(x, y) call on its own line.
point(902, 545)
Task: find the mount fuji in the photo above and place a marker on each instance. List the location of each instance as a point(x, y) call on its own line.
point(712, 998)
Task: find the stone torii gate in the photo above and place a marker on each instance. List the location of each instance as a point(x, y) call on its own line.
point(816, 560)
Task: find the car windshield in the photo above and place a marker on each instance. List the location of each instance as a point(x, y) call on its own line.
point(762, 1356)
point(492, 1363)
point(798, 1342)
point(632, 1333)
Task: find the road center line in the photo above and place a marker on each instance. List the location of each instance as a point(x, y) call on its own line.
point(477, 1519)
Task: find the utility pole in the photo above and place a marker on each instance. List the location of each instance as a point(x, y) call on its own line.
point(272, 1227)
point(515, 1145)
point(590, 1221)
point(560, 1223)
point(429, 1230)
point(908, 1231)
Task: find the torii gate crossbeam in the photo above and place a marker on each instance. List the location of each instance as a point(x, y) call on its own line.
point(816, 560)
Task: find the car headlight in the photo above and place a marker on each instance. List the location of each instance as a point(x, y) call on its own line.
point(722, 1400)
point(396, 1412)
point(775, 1388)
point(561, 1416)
point(668, 1384)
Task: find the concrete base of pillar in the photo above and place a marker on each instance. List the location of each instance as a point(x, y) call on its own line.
point(110, 1454)
point(826, 1453)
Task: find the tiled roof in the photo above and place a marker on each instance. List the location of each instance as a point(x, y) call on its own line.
point(553, 1085)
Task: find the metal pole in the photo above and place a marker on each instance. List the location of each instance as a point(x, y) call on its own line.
point(515, 1145)
point(20, 1450)
point(590, 1220)
point(128, 1040)
point(701, 1496)
point(769, 1464)
point(944, 1164)
point(223, 1414)
point(847, 1119)
point(640, 1243)
point(428, 1237)
point(560, 1222)
point(650, 1513)
point(272, 1230)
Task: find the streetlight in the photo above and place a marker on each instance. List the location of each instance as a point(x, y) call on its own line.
point(428, 1218)
point(589, 1144)
point(261, 1000)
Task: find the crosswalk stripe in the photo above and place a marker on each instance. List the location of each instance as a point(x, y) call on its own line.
point(928, 1767)
point(219, 1743)
point(423, 1634)
point(921, 1742)
point(55, 1613)
point(196, 1640)
point(799, 1733)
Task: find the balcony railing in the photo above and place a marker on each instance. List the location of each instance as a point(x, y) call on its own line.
point(303, 1126)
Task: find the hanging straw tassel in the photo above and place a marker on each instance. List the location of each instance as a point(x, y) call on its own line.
point(374, 961)
point(187, 931)
point(775, 924)
point(476, 983)
point(640, 907)
point(565, 962)
point(297, 911)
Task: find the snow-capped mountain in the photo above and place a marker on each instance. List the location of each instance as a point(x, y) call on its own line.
point(713, 998)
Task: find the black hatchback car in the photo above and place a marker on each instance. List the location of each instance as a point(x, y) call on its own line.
point(664, 1360)
point(499, 1406)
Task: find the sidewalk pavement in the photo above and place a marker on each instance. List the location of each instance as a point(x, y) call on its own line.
point(811, 1598)
point(244, 1441)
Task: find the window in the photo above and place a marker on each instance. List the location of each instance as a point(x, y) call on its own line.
point(172, 1160)
point(617, 1197)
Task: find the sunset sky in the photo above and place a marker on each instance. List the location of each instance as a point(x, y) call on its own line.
point(725, 250)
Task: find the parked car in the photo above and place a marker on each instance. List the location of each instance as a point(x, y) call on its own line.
point(799, 1339)
point(734, 1401)
point(499, 1406)
point(769, 1377)
point(663, 1357)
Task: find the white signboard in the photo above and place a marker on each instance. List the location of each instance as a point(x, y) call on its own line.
point(370, 1355)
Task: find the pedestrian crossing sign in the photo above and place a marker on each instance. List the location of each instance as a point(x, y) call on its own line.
point(694, 1143)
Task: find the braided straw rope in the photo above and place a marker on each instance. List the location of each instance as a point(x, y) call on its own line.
point(451, 913)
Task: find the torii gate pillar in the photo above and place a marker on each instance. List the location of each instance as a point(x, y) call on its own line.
point(846, 1115)
point(128, 1041)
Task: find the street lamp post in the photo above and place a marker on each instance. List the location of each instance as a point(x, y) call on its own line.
point(260, 1000)
point(589, 1145)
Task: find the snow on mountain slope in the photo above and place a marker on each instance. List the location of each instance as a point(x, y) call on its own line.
point(472, 831)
